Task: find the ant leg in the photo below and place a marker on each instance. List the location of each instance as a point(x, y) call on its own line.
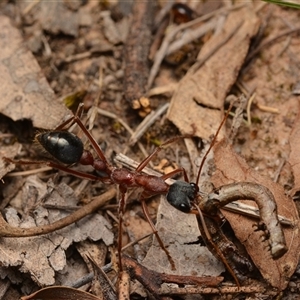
point(71, 120)
point(122, 205)
point(211, 244)
point(146, 213)
point(55, 166)
point(93, 142)
point(174, 172)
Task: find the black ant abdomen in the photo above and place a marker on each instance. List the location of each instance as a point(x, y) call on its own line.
point(64, 146)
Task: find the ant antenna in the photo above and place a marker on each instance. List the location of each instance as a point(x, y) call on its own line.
point(213, 142)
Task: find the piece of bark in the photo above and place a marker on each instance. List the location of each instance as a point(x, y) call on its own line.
point(137, 50)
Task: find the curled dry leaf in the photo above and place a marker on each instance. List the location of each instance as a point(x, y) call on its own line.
point(231, 168)
point(60, 293)
point(199, 96)
point(25, 93)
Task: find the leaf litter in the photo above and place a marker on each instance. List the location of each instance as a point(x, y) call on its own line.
point(43, 256)
point(263, 145)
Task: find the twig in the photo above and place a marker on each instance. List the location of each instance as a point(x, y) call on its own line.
point(30, 6)
point(124, 286)
point(251, 211)
point(89, 277)
point(249, 108)
point(136, 51)
point(169, 290)
point(162, 13)
point(125, 125)
point(28, 172)
point(8, 231)
point(146, 123)
point(165, 89)
point(269, 109)
point(152, 280)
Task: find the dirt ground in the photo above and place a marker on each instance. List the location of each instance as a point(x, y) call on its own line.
point(148, 72)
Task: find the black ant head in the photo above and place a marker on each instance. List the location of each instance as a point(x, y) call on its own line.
point(181, 195)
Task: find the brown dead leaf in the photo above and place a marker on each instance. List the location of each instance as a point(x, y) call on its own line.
point(180, 233)
point(25, 93)
point(42, 256)
point(196, 104)
point(4, 152)
point(294, 158)
point(60, 293)
point(230, 168)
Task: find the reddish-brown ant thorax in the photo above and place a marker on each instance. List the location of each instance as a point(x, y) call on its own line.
point(123, 176)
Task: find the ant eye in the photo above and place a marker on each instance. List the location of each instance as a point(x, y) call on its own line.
point(186, 208)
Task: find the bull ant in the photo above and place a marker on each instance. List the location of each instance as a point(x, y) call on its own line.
point(67, 149)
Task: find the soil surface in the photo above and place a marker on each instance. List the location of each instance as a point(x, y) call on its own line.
point(146, 73)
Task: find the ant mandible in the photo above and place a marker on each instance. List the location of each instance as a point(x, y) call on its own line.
point(68, 149)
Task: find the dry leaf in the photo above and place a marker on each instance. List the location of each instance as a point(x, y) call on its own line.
point(180, 234)
point(25, 93)
point(49, 250)
point(232, 168)
point(60, 293)
point(196, 104)
point(294, 158)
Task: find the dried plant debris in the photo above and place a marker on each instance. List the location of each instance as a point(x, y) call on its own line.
point(180, 233)
point(25, 93)
point(294, 158)
point(55, 17)
point(196, 105)
point(44, 255)
point(232, 168)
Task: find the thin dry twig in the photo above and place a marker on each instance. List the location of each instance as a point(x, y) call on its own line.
point(28, 172)
point(126, 126)
point(152, 280)
point(249, 108)
point(8, 231)
point(146, 123)
point(136, 51)
point(170, 290)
